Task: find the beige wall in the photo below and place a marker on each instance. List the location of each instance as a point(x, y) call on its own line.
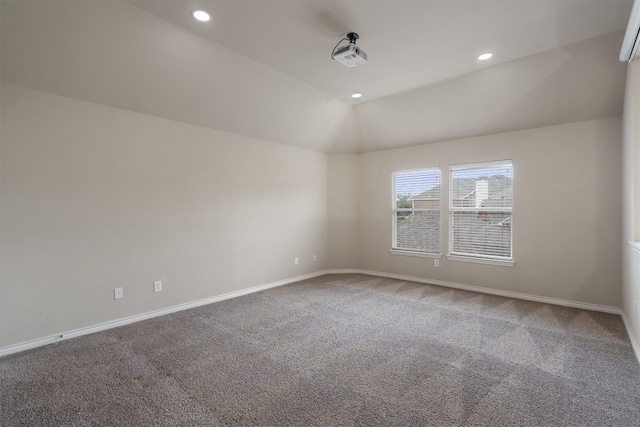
point(343, 211)
point(631, 201)
point(95, 198)
point(566, 226)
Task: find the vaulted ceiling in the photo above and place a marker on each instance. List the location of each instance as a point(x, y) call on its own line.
point(263, 68)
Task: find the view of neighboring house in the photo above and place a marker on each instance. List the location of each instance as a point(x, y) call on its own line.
point(474, 231)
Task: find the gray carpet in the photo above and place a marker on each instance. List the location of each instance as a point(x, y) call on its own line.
point(338, 350)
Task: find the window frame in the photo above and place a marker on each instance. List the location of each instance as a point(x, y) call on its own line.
point(394, 212)
point(471, 257)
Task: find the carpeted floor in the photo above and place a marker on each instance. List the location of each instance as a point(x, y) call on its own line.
point(338, 350)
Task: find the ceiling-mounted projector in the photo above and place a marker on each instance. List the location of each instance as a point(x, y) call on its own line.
point(349, 55)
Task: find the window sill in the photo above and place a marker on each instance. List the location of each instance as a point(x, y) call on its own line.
point(415, 254)
point(498, 262)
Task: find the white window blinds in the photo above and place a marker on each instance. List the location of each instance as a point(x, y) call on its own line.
point(416, 211)
point(481, 201)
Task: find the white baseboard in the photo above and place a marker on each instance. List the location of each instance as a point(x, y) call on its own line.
point(517, 295)
point(634, 342)
point(346, 271)
point(16, 348)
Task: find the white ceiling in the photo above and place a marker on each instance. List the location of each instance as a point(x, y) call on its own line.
point(410, 43)
point(263, 68)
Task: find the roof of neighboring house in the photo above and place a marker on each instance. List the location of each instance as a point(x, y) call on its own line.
point(488, 234)
point(421, 232)
point(432, 194)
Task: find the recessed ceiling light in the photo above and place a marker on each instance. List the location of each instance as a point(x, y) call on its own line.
point(356, 95)
point(485, 56)
point(201, 15)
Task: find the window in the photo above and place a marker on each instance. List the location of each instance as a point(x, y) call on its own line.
point(416, 212)
point(480, 204)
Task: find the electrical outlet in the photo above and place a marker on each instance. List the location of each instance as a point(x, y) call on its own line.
point(295, 261)
point(314, 257)
point(436, 263)
point(157, 286)
point(117, 293)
